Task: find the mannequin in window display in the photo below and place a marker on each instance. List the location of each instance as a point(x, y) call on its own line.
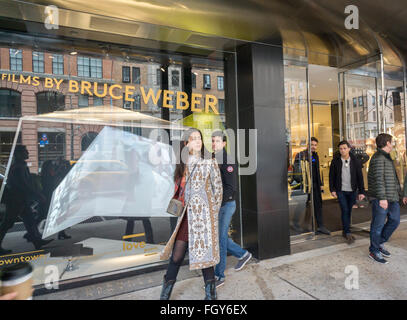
point(20, 196)
point(301, 165)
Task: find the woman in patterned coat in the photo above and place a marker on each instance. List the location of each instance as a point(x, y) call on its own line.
point(197, 228)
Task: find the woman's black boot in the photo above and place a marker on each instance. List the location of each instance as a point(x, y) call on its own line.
point(166, 289)
point(210, 290)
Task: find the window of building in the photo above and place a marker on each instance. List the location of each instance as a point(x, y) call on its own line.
point(391, 116)
point(97, 101)
point(347, 104)
point(206, 81)
point(87, 139)
point(6, 143)
point(381, 100)
point(175, 78)
point(136, 75)
point(10, 103)
point(361, 116)
point(16, 60)
point(193, 79)
point(38, 62)
point(126, 104)
point(125, 74)
point(158, 77)
point(221, 105)
point(89, 67)
point(57, 64)
point(355, 117)
point(220, 83)
point(49, 101)
point(348, 118)
point(360, 101)
point(373, 100)
point(54, 149)
point(83, 101)
point(374, 116)
point(354, 102)
point(137, 102)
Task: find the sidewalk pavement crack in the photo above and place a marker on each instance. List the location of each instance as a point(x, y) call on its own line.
point(313, 297)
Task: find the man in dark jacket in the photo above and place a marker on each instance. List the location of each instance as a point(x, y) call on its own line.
point(21, 193)
point(317, 185)
point(385, 192)
point(228, 172)
point(346, 183)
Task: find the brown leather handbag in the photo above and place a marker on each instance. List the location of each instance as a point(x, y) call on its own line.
point(175, 207)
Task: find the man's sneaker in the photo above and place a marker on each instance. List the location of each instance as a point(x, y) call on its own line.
point(378, 257)
point(241, 263)
point(219, 282)
point(384, 252)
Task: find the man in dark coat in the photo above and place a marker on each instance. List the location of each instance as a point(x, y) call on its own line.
point(21, 192)
point(384, 191)
point(317, 185)
point(228, 171)
point(346, 184)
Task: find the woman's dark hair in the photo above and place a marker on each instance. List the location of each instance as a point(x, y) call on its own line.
point(344, 142)
point(180, 167)
point(382, 139)
point(314, 139)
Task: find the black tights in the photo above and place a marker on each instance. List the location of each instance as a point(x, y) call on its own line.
point(178, 255)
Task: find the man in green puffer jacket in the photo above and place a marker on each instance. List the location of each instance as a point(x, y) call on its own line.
point(385, 194)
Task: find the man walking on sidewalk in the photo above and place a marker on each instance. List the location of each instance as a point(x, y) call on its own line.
point(229, 182)
point(384, 192)
point(346, 183)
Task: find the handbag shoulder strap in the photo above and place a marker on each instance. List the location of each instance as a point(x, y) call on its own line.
point(186, 183)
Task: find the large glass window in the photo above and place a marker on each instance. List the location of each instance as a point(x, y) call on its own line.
point(136, 75)
point(16, 60)
point(57, 64)
point(38, 62)
point(296, 111)
point(10, 103)
point(50, 101)
point(97, 160)
point(89, 67)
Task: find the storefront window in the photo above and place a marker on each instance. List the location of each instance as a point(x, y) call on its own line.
point(89, 150)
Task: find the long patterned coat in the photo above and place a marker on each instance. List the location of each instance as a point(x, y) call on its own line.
point(203, 196)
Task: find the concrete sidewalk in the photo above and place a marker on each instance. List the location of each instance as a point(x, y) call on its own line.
point(314, 274)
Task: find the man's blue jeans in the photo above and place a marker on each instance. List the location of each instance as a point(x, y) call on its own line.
point(380, 230)
point(346, 201)
point(225, 243)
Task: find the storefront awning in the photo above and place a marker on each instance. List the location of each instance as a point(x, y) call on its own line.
point(106, 116)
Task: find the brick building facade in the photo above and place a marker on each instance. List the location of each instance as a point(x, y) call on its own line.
point(22, 99)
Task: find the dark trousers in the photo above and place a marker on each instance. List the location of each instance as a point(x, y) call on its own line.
point(380, 230)
point(317, 209)
point(346, 201)
point(15, 209)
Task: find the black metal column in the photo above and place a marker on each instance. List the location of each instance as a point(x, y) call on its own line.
point(264, 199)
